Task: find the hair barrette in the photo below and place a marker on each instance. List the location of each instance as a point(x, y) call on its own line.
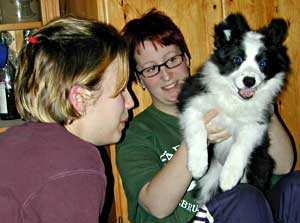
point(32, 40)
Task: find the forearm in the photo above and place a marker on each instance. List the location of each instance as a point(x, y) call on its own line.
point(281, 148)
point(163, 193)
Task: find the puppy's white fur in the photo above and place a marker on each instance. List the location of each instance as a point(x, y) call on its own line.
point(244, 119)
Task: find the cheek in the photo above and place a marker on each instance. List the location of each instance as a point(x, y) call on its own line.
point(151, 83)
point(110, 108)
point(112, 115)
point(183, 72)
point(118, 105)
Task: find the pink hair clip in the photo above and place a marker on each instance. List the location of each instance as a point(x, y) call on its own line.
point(32, 40)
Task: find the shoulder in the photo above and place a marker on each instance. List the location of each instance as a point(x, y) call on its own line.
point(49, 147)
point(152, 119)
point(51, 164)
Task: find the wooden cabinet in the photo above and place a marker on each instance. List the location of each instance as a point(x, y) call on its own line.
point(49, 10)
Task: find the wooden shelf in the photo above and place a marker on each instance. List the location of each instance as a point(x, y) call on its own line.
point(10, 123)
point(20, 26)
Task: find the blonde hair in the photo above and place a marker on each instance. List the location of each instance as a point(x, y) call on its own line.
point(66, 52)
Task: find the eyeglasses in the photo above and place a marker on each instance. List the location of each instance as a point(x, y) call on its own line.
point(171, 63)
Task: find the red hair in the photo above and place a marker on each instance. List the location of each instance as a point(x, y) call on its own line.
point(156, 27)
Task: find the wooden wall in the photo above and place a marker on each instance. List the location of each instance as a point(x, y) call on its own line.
point(196, 19)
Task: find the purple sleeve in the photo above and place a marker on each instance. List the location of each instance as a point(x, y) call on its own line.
point(244, 203)
point(285, 198)
point(75, 198)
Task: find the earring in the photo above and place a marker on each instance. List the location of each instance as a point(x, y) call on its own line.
point(141, 85)
point(139, 82)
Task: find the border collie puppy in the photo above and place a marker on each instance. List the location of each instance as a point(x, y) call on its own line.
point(241, 79)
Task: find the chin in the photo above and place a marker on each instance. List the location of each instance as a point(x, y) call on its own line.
point(242, 79)
point(172, 98)
point(117, 136)
point(111, 139)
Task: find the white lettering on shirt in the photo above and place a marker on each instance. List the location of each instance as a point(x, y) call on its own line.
point(189, 206)
point(165, 157)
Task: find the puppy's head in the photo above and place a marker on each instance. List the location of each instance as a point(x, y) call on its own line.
point(249, 59)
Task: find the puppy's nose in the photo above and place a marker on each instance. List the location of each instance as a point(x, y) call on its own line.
point(249, 81)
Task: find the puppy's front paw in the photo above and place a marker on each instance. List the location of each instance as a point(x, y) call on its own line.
point(197, 165)
point(230, 176)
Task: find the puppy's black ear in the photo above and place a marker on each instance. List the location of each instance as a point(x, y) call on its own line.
point(232, 27)
point(276, 32)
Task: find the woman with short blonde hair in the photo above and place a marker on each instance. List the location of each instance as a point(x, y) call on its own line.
point(71, 88)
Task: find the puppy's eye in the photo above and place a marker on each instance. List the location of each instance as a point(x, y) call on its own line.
point(237, 60)
point(262, 64)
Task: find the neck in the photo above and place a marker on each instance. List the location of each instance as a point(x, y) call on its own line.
point(169, 109)
point(74, 129)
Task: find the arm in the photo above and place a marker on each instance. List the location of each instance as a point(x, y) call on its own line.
point(281, 148)
point(167, 187)
point(75, 198)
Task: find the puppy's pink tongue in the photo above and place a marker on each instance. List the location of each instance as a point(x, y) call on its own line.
point(247, 93)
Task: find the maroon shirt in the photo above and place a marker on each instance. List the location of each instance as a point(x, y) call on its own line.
point(49, 175)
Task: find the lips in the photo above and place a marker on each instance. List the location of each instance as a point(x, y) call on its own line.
point(246, 93)
point(170, 86)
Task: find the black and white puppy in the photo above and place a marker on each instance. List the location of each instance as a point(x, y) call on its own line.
point(241, 79)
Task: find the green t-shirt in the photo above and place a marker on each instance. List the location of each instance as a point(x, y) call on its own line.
point(149, 143)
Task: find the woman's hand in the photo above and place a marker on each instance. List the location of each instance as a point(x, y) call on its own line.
point(215, 134)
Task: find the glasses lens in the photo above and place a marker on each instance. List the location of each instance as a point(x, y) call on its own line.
point(170, 63)
point(174, 61)
point(150, 71)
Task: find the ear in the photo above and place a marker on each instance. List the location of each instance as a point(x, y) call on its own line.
point(276, 32)
point(230, 28)
point(78, 97)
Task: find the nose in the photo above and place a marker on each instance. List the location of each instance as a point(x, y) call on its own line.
point(129, 103)
point(165, 73)
point(249, 81)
